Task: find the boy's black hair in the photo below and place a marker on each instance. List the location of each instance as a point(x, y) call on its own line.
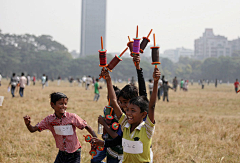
point(97, 79)
point(128, 92)
point(54, 97)
point(116, 90)
point(140, 101)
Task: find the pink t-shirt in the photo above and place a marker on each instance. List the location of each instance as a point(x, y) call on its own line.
point(69, 143)
point(23, 81)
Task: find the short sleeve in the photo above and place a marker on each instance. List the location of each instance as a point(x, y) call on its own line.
point(79, 122)
point(44, 124)
point(123, 121)
point(150, 127)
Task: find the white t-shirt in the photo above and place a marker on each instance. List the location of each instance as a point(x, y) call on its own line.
point(23, 81)
point(0, 77)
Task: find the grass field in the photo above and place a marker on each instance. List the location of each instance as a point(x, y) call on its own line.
point(195, 126)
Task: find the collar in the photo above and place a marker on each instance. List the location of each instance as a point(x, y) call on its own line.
point(138, 127)
point(64, 115)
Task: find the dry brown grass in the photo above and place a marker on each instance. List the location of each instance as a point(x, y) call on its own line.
point(195, 126)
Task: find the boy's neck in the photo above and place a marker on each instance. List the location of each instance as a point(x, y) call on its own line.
point(59, 115)
point(133, 126)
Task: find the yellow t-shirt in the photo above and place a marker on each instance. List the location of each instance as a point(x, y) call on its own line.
point(136, 145)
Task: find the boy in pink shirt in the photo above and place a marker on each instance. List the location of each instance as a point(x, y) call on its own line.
point(63, 127)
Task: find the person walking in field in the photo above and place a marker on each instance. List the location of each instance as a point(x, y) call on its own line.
point(236, 84)
point(165, 91)
point(63, 126)
point(0, 79)
point(22, 84)
point(96, 90)
point(13, 82)
point(43, 81)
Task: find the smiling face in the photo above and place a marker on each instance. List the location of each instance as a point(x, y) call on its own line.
point(60, 107)
point(123, 103)
point(134, 115)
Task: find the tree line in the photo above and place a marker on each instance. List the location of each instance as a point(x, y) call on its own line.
point(37, 55)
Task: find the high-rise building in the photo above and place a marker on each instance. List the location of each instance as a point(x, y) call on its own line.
point(210, 45)
point(175, 54)
point(93, 26)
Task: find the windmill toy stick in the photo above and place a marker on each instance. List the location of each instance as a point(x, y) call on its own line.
point(102, 57)
point(115, 61)
point(155, 53)
point(144, 42)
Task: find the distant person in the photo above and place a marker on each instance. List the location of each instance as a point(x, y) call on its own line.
point(84, 81)
point(192, 82)
point(96, 90)
point(185, 85)
point(34, 80)
point(160, 90)
point(175, 83)
point(203, 84)
point(28, 79)
point(0, 79)
point(46, 83)
point(43, 80)
point(236, 84)
point(165, 91)
point(181, 84)
point(150, 87)
point(22, 84)
point(88, 81)
point(13, 83)
point(59, 80)
point(216, 83)
point(63, 126)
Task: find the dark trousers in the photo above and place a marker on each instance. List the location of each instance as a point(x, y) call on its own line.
point(13, 90)
point(21, 91)
point(64, 157)
point(165, 95)
point(236, 89)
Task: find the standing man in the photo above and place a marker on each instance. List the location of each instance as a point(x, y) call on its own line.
point(236, 84)
point(22, 82)
point(0, 79)
point(13, 83)
point(175, 83)
point(43, 80)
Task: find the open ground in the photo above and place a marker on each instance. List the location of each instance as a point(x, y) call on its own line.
point(201, 125)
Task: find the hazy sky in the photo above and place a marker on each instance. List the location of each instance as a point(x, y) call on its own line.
point(175, 23)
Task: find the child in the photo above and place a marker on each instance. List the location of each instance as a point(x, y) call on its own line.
point(165, 91)
point(96, 90)
point(63, 127)
point(137, 135)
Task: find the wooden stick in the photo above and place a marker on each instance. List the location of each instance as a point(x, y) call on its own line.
point(149, 33)
point(129, 38)
point(137, 32)
point(111, 111)
point(154, 39)
point(123, 52)
point(101, 42)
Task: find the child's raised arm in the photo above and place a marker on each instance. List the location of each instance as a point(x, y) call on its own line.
point(111, 93)
point(27, 120)
point(153, 99)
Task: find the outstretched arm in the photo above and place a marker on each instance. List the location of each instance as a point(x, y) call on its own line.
point(111, 93)
point(90, 130)
point(156, 76)
point(27, 120)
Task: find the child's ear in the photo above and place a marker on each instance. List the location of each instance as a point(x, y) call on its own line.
point(52, 104)
point(144, 114)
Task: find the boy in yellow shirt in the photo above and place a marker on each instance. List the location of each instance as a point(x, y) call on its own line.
point(137, 134)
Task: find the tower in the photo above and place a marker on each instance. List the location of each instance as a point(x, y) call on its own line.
point(93, 26)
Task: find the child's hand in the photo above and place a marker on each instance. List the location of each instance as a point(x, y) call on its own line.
point(156, 74)
point(101, 120)
point(136, 60)
point(27, 120)
point(105, 73)
point(97, 142)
